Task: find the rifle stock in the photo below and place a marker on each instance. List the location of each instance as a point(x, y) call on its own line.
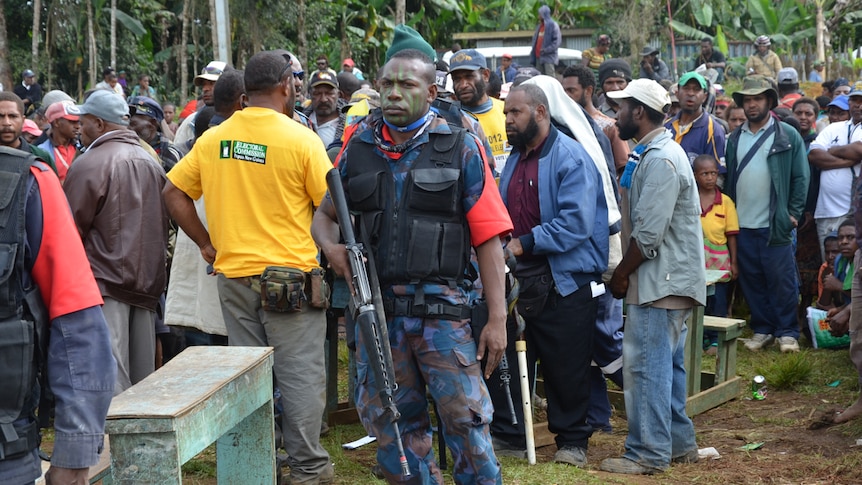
point(366, 306)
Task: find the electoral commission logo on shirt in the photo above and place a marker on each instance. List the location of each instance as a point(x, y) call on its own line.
point(240, 150)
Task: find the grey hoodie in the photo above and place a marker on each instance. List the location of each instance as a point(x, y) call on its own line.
point(551, 42)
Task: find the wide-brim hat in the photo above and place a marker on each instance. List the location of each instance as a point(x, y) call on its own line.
point(754, 85)
point(648, 51)
point(368, 95)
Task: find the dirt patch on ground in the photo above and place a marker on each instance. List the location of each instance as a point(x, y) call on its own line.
point(791, 453)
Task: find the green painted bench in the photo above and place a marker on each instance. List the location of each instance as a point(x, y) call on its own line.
point(204, 395)
point(716, 388)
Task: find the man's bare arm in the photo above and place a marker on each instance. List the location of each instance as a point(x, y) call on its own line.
point(850, 151)
point(827, 160)
point(492, 270)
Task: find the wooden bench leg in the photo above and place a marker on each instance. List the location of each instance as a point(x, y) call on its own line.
point(694, 350)
point(145, 458)
point(725, 359)
point(246, 454)
point(722, 359)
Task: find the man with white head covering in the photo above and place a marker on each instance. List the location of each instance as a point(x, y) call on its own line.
point(570, 118)
point(554, 195)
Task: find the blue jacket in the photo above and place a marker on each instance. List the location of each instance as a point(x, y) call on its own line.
point(510, 73)
point(573, 233)
point(550, 44)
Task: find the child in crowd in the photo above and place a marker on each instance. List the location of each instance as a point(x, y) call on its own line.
point(720, 227)
point(735, 117)
point(827, 298)
point(842, 279)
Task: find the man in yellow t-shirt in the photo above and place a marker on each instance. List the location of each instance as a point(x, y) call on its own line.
point(595, 56)
point(262, 174)
point(470, 74)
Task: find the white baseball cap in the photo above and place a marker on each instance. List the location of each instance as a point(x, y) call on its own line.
point(647, 92)
point(211, 72)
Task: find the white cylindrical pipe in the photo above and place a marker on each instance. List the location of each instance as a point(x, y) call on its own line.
point(521, 349)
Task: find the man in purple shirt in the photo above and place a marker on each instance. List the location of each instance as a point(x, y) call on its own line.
point(693, 128)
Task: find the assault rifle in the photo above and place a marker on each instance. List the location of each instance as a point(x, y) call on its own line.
point(477, 324)
point(366, 305)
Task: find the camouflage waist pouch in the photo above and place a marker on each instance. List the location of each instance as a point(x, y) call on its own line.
point(317, 289)
point(282, 289)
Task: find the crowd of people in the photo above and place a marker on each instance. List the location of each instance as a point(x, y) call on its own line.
point(137, 238)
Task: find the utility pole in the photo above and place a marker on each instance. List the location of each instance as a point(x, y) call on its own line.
point(222, 49)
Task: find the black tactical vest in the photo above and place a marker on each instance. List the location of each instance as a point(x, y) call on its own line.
point(423, 237)
point(23, 319)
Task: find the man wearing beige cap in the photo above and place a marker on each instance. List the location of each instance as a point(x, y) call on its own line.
point(63, 135)
point(206, 81)
point(662, 277)
point(115, 192)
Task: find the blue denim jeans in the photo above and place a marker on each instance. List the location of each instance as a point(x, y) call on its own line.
point(654, 376)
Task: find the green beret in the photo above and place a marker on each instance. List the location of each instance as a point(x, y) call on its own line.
point(407, 38)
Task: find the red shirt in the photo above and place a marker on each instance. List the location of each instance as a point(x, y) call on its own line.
point(63, 156)
point(61, 269)
point(540, 39)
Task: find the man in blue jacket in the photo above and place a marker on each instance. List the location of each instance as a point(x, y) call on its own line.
point(546, 41)
point(554, 195)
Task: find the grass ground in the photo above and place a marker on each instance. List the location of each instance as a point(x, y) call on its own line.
point(801, 388)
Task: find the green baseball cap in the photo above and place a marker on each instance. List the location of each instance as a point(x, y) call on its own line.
point(693, 75)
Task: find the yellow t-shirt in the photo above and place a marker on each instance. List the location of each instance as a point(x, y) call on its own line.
point(493, 124)
point(355, 113)
point(262, 174)
point(720, 220)
point(595, 59)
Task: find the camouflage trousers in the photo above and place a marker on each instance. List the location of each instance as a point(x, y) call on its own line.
point(439, 355)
